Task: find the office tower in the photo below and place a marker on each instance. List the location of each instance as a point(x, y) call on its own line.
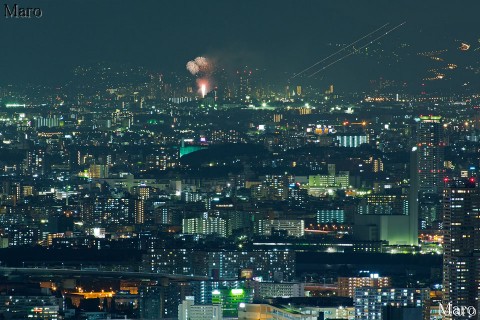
point(461, 262)
point(430, 146)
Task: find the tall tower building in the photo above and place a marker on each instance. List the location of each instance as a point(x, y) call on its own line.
point(139, 211)
point(430, 145)
point(461, 260)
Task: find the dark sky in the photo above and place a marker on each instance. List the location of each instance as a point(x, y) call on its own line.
point(282, 35)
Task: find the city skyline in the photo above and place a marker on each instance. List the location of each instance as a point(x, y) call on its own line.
point(239, 160)
point(283, 39)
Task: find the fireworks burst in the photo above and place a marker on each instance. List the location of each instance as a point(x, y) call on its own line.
point(199, 65)
point(192, 67)
point(202, 68)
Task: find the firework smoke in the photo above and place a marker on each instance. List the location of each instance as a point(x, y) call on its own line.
point(199, 65)
point(202, 68)
point(192, 67)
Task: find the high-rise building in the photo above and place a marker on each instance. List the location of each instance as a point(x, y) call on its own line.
point(372, 303)
point(139, 211)
point(461, 260)
point(430, 146)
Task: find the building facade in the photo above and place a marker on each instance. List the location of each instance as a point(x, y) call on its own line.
point(461, 260)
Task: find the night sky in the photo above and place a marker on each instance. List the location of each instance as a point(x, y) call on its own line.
point(281, 36)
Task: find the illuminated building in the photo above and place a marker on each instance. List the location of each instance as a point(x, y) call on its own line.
point(278, 289)
point(386, 217)
point(29, 307)
point(277, 117)
point(244, 78)
point(347, 285)
point(304, 111)
point(224, 136)
point(429, 168)
point(351, 141)
point(98, 171)
point(461, 243)
point(203, 290)
point(107, 211)
point(27, 191)
point(394, 204)
point(318, 184)
point(222, 264)
point(139, 212)
point(377, 164)
point(156, 162)
point(231, 299)
point(186, 149)
point(293, 228)
point(321, 180)
point(329, 90)
point(330, 216)
point(122, 119)
point(396, 229)
point(299, 90)
point(163, 214)
point(23, 236)
point(142, 191)
point(265, 311)
point(210, 225)
point(50, 122)
point(372, 303)
point(187, 310)
point(430, 159)
point(297, 196)
point(36, 161)
point(273, 187)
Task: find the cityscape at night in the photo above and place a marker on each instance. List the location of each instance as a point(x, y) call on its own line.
point(247, 160)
